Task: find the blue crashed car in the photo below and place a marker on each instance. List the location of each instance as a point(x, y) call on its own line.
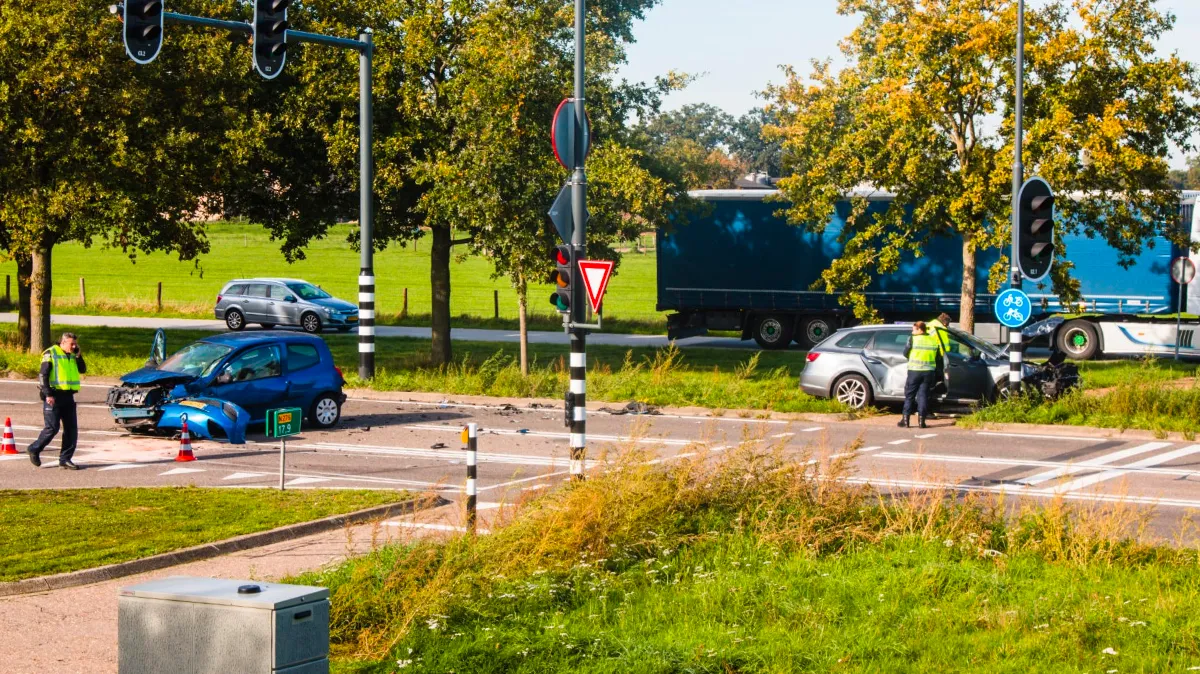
point(226, 382)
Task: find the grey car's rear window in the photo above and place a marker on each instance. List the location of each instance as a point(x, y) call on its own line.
point(257, 290)
point(892, 341)
point(235, 290)
point(855, 340)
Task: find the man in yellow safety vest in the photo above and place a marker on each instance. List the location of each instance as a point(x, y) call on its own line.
point(923, 352)
point(58, 382)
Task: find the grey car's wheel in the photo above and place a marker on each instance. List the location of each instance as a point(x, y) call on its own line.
point(326, 411)
point(773, 332)
point(235, 320)
point(814, 330)
point(311, 323)
point(853, 391)
point(1079, 340)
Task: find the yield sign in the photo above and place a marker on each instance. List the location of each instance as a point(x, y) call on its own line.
point(595, 280)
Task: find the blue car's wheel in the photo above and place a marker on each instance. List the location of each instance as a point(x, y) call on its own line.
point(325, 412)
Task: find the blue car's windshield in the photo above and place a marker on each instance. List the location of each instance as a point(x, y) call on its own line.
point(308, 291)
point(197, 359)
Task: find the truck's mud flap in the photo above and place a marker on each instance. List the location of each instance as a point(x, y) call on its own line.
point(207, 418)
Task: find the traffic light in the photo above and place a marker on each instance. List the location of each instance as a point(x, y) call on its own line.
point(563, 279)
point(143, 29)
point(1035, 230)
point(270, 36)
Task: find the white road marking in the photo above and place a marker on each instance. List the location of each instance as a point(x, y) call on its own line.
point(13, 457)
point(814, 429)
point(718, 448)
point(33, 382)
point(591, 412)
point(1000, 461)
point(22, 427)
point(899, 442)
point(1104, 460)
point(488, 506)
point(1025, 491)
point(926, 436)
point(544, 476)
point(38, 402)
point(182, 471)
point(306, 480)
point(1110, 474)
point(123, 466)
point(870, 449)
point(535, 487)
point(445, 455)
point(552, 434)
point(780, 436)
point(432, 527)
point(243, 476)
point(1039, 437)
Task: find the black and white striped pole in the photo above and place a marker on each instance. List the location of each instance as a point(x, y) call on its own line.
point(579, 244)
point(472, 435)
point(366, 213)
point(1016, 349)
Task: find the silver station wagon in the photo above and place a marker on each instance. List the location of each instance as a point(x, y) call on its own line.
point(280, 301)
point(866, 364)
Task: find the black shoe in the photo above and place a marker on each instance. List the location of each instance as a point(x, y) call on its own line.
point(923, 424)
point(68, 465)
point(903, 423)
point(35, 458)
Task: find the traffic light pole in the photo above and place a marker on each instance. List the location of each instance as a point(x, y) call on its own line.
point(1016, 351)
point(365, 47)
point(579, 244)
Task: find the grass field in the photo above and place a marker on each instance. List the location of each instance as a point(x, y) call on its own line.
point(750, 562)
point(44, 532)
point(116, 284)
point(714, 378)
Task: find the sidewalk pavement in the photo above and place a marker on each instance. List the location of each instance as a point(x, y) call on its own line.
point(74, 630)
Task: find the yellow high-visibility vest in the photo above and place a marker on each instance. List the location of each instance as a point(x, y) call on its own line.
point(64, 371)
point(924, 353)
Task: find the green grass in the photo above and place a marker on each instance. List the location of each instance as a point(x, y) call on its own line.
point(118, 285)
point(44, 532)
point(713, 378)
point(1135, 395)
point(747, 562)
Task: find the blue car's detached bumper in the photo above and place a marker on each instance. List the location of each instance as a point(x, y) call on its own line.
point(207, 418)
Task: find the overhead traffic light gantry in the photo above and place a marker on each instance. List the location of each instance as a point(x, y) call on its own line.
point(143, 32)
point(270, 36)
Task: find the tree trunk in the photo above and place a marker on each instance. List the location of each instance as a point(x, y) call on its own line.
point(39, 306)
point(24, 271)
point(966, 312)
point(439, 281)
point(522, 313)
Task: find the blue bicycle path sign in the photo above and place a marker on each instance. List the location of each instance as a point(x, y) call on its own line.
point(1013, 308)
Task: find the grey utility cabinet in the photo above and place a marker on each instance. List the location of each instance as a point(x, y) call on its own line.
point(185, 625)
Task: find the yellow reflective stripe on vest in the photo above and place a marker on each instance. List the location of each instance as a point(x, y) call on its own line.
point(924, 353)
point(64, 370)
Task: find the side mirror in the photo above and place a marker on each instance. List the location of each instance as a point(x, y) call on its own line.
point(225, 377)
point(290, 298)
point(976, 354)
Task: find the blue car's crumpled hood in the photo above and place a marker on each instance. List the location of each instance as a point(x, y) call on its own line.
point(335, 304)
point(149, 375)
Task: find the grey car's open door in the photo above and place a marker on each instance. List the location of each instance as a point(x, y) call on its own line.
point(884, 357)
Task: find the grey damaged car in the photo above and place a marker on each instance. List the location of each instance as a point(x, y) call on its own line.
point(280, 301)
point(866, 364)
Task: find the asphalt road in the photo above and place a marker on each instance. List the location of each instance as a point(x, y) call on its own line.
point(405, 445)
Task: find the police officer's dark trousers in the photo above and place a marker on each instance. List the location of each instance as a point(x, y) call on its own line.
point(61, 412)
point(916, 392)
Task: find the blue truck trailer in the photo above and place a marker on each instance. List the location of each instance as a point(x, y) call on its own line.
point(741, 267)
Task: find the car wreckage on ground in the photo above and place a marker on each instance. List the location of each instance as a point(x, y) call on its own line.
point(224, 383)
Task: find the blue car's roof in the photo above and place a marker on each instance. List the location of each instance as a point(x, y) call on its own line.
point(239, 339)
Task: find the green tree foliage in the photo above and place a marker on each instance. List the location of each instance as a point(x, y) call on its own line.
point(911, 111)
point(751, 148)
point(465, 91)
point(1188, 179)
point(692, 144)
point(97, 149)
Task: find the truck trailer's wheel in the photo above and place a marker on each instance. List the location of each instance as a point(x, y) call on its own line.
point(814, 330)
point(773, 332)
point(1079, 339)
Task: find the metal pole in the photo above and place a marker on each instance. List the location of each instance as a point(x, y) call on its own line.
point(366, 213)
point(579, 243)
point(1016, 352)
point(282, 460)
point(1179, 319)
point(472, 462)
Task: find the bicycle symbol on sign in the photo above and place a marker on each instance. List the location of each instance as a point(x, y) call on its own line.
point(1014, 301)
point(1014, 314)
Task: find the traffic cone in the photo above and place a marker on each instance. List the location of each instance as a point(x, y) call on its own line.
point(9, 445)
point(185, 445)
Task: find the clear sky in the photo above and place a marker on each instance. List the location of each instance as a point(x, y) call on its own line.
point(738, 45)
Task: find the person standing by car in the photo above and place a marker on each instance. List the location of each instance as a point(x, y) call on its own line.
point(938, 327)
point(58, 382)
point(923, 351)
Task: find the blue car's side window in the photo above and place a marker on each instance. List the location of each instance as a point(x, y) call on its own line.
point(302, 356)
point(257, 362)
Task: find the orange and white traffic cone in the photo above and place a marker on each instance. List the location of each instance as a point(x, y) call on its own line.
point(185, 445)
point(9, 445)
